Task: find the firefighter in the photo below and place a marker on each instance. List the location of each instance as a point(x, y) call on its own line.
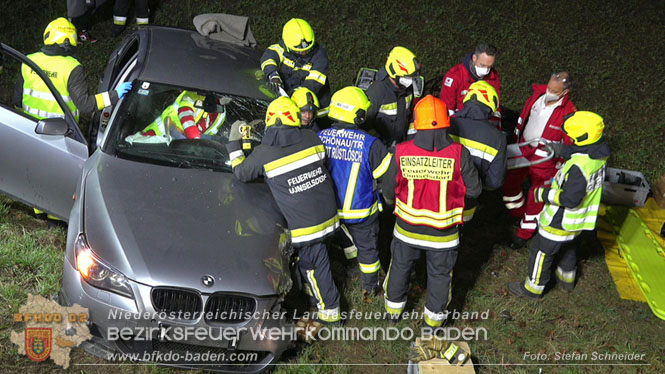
point(308, 103)
point(542, 117)
point(121, 10)
point(297, 60)
point(292, 161)
point(571, 205)
point(68, 77)
point(392, 96)
point(190, 116)
point(433, 177)
point(356, 160)
point(471, 128)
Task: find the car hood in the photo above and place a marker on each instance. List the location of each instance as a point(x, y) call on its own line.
point(166, 226)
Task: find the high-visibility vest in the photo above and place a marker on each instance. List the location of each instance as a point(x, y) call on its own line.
point(38, 101)
point(348, 162)
point(430, 190)
point(185, 99)
point(583, 216)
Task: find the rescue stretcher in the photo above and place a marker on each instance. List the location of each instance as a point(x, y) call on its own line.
point(515, 160)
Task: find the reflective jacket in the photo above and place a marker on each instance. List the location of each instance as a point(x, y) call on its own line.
point(487, 145)
point(552, 132)
point(572, 202)
point(429, 209)
point(69, 79)
point(355, 160)
point(391, 109)
point(457, 80)
point(293, 164)
point(310, 70)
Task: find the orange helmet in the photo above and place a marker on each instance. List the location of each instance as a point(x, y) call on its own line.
point(430, 113)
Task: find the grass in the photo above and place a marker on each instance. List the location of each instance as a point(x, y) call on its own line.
point(614, 51)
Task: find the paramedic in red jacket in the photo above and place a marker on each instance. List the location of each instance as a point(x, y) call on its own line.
point(542, 117)
point(475, 66)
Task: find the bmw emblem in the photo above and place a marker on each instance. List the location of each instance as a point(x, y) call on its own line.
point(208, 280)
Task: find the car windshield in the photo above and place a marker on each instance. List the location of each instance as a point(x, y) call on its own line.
point(171, 126)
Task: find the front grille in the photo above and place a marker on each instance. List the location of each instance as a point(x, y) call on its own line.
point(229, 308)
point(193, 355)
point(186, 304)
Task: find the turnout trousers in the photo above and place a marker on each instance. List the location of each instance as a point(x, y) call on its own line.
point(542, 256)
point(525, 207)
point(365, 236)
point(439, 275)
point(314, 266)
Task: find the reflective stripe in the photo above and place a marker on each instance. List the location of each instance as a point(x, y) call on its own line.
point(394, 307)
point(267, 62)
point(117, 20)
point(477, 149)
point(237, 161)
point(316, 76)
point(450, 352)
point(533, 288)
point(427, 217)
point(295, 161)
point(565, 276)
point(541, 153)
point(556, 234)
point(329, 315)
point(438, 242)
point(468, 214)
point(385, 281)
point(513, 198)
point(235, 154)
point(551, 195)
point(323, 112)
point(370, 268)
point(529, 217)
point(383, 167)
point(186, 112)
point(351, 186)
point(306, 234)
point(516, 205)
point(389, 109)
point(528, 226)
point(538, 267)
point(142, 21)
point(44, 95)
point(278, 50)
point(358, 213)
point(315, 288)
point(433, 319)
point(350, 252)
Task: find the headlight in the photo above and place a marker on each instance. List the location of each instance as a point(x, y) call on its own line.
point(98, 274)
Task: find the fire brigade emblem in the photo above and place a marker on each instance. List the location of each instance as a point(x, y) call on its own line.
point(38, 343)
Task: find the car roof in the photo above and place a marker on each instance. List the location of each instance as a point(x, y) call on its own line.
point(188, 59)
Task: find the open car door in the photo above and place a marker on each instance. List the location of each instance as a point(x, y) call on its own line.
point(40, 161)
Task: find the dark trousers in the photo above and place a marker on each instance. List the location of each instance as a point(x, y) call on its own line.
point(439, 274)
point(365, 236)
point(121, 8)
point(542, 256)
point(314, 267)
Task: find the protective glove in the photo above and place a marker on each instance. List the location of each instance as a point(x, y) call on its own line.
point(123, 88)
point(417, 354)
point(538, 195)
point(434, 344)
point(276, 84)
point(234, 133)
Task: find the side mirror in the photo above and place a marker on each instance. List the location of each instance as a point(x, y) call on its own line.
point(52, 126)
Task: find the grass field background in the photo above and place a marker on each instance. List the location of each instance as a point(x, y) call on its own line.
point(614, 51)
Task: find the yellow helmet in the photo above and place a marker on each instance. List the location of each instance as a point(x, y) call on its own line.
point(283, 111)
point(298, 35)
point(484, 93)
point(60, 31)
point(401, 62)
point(305, 99)
point(584, 127)
point(349, 105)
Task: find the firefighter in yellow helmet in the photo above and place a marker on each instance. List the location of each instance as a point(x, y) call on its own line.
point(571, 205)
point(357, 161)
point(67, 75)
point(292, 161)
point(392, 96)
point(434, 175)
point(308, 103)
point(297, 60)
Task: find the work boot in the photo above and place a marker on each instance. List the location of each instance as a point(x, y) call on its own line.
point(85, 37)
point(517, 242)
point(116, 30)
point(370, 292)
point(352, 268)
point(517, 288)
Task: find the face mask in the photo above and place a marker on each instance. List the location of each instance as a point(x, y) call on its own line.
point(405, 81)
point(416, 83)
point(481, 72)
point(550, 96)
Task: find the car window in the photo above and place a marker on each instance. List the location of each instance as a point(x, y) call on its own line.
point(166, 125)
